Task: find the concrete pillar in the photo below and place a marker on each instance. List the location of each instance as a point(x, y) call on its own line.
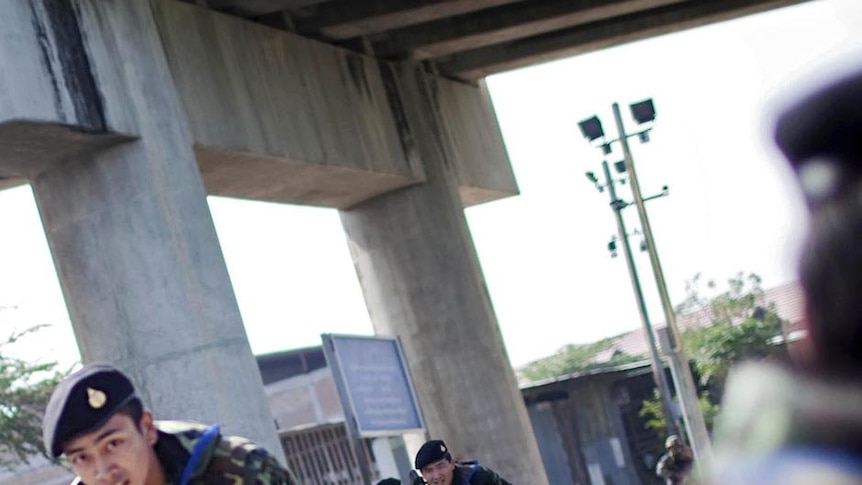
point(131, 234)
point(421, 279)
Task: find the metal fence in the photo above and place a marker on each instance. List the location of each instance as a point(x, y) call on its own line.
point(323, 456)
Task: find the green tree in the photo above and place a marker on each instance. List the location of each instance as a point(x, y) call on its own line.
point(735, 325)
point(741, 325)
point(24, 391)
point(652, 410)
point(576, 358)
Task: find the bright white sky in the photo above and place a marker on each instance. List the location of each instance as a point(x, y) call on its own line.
point(733, 206)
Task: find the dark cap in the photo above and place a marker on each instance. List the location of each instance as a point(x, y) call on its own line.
point(431, 451)
point(82, 402)
point(826, 126)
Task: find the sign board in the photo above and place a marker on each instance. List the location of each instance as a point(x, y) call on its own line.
point(373, 383)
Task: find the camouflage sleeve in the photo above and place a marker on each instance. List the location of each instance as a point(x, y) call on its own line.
point(263, 469)
point(241, 461)
point(661, 468)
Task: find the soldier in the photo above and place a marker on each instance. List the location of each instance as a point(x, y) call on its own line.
point(804, 425)
point(96, 419)
point(675, 465)
point(435, 463)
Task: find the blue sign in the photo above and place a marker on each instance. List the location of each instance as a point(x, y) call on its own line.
point(373, 383)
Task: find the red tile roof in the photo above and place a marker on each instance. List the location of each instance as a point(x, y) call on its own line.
point(787, 298)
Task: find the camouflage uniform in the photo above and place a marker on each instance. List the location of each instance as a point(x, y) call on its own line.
point(223, 460)
point(778, 427)
point(674, 469)
point(188, 453)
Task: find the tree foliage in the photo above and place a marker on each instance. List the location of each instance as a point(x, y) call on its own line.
point(24, 391)
point(741, 325)
point(734, 325)
point(576, 358)
point(653, 411)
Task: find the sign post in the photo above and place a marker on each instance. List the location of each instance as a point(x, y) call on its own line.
point(374, 387)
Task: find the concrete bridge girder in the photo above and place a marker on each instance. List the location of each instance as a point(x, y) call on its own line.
point(278, 117)
point(137, 109)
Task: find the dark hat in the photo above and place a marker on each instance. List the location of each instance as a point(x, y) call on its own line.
point(431, 451)
point(82, 402)
point(389, 481)
point(826, 126)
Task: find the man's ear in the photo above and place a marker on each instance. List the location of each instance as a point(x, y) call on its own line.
point(148, 428)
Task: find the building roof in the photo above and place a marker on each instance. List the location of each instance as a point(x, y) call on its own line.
point(787, 298)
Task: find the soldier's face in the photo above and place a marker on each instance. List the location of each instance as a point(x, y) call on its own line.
point(118, 452)
point(439, 473)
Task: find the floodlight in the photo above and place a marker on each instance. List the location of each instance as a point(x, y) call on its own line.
point(606, 148)
point(620, 166)
point(612, 246)
point(644, 136)
point(591, 128)
point(644, 111)
point(592, 177)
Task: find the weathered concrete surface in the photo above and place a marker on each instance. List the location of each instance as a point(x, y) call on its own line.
point(282, 118)
point(278, 117)
point(421, 279)
point(477, 152)
point(48, 102)
point(128, 225)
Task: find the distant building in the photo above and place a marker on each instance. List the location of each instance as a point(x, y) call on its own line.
point(787, 298)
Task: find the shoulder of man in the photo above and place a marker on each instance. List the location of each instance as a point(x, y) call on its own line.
point(227, 457)
point(483, 476)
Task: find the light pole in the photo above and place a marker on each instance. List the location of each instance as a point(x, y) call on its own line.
point(618, 205)
point(644, 112)
point(683, 380)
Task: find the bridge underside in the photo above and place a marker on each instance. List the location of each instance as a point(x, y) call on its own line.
point(470, 39)
point(124, 115)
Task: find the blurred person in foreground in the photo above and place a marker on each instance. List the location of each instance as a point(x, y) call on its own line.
point(804, 425)
point(435, 462)
point(676, 464)
point(97, 421)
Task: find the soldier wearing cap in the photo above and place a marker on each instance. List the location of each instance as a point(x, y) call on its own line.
point(675, 465)
point(803, 424)
point(435, 463)
point(96, 419)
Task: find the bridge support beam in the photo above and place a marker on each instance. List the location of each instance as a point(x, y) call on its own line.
point(110, 160)
point(421, 278)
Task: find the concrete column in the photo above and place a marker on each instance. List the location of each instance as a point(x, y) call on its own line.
point(421, 279)
point(132, 237)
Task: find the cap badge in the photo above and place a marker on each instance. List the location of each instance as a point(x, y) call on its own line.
point(442, 449)
point(96, 398)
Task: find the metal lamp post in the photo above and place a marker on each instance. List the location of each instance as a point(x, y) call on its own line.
point(657, 368)
point(644, 112)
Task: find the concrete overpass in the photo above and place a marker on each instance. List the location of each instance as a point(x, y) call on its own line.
point(469, 39)
point(124, 115)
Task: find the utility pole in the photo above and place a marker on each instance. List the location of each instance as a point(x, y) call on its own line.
point(657, 366)
point(685, 388)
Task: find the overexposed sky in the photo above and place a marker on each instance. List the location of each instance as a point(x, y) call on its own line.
point(732, 204)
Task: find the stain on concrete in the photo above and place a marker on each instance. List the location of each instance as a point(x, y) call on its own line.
point(356, 68)
point(431, 106)
point(396, 108)
point(45, 54)
point(66, 61)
